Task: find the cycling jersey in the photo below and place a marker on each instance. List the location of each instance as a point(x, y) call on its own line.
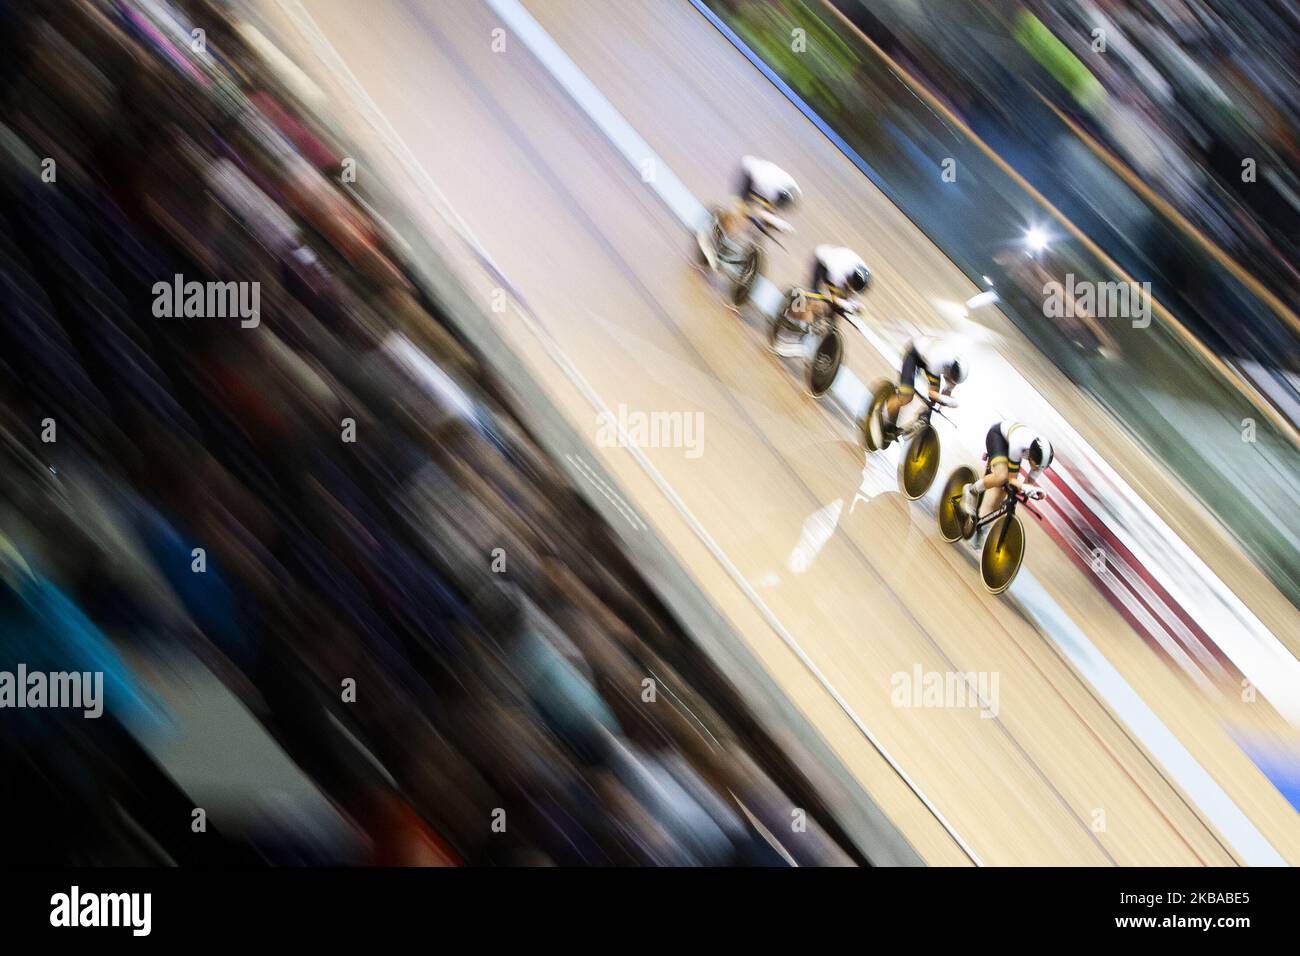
point(834, 265)
point(928, 354)
point(764, 180)
point(1009, 442)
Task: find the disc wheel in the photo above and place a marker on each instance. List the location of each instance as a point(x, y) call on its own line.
point(951, 525)
point(919, 463)
point(774, 327)
point(747, 276)
point(1002, 555)
point(873, 436)
point(825, 363)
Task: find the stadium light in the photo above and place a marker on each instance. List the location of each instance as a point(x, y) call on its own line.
point(1036, 239)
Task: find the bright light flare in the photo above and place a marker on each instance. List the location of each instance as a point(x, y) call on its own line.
point(1036, 239)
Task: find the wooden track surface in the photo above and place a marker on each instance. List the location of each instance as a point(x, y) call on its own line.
point(855, 575)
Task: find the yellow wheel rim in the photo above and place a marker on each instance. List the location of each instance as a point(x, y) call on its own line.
point(920, 463)
point(999, 565)
point(881, 392)
point(949, 522)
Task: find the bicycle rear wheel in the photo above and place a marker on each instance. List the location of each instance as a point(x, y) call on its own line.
point(951, 526)
point(747, 276)
point(825, 363)
point(873, 436)
point(715, 236)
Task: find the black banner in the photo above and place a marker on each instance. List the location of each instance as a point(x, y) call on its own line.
point(925, 905)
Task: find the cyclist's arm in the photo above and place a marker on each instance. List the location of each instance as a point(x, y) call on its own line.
point(847, 306)
point(768, 223)
point(940, 390)
point(1024, 482)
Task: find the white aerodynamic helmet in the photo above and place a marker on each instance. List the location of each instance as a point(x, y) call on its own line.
point(1040, 452)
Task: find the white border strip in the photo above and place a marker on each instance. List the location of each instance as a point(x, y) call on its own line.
point(618, 130)
point(1192, 778)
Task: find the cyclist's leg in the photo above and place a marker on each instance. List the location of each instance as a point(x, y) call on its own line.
point(820, 279)
point(734, 218)
point(906, 390)
point(820, 311)
point(794, 323)
point(994, 484)
point(994, 481)
point(996, 476)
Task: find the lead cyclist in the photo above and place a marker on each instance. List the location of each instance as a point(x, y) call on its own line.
point(764, 189)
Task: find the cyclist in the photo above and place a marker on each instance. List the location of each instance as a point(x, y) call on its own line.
point(838, 275)
point(764, 189)
point(1016, 456)
point(941, 361)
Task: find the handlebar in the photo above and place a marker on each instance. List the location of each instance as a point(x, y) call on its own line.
point(1030, 508)
point(934, 406)
point(769, 227)
point(1024, 497)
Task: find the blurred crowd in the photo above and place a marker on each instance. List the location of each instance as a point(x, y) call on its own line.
point(1197, 99)
point(331, 507)
point(1186, 93)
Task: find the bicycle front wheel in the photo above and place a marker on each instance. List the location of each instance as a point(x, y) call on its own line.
point(1003, 553)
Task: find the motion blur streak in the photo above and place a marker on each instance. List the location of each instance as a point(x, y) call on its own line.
point(1119, 696)
point(543, 195)
point(343, 607)
point(376, 428)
